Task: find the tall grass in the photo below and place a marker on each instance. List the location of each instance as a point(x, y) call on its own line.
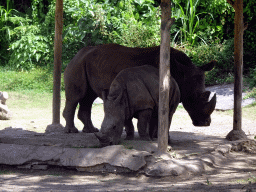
point(189, 20)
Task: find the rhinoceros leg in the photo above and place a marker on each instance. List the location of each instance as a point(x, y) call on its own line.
point(174, 98)
point(68, 114)
point(84, 113)
point(129, 128)
point(153, 126)
point(144, 117)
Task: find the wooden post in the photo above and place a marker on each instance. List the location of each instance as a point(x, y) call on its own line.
point(164, 73)
point(237, 132)
point(56, 126)
point(57, 61)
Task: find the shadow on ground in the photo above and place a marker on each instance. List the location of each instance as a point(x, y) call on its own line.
point(232, 171)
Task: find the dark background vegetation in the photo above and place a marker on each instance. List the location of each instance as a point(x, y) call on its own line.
point(27, 35)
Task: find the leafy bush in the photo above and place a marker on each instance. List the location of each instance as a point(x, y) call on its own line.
point(27, 37)
point(127, 22)
point(134, 30)
point(214, 27)
point(251, 79)
point(27, 43)
point(222, 53)
point(84, 24)
point(9, 18)
point(30, 48)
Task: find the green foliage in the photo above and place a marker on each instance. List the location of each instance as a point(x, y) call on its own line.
point(222, 53)
point(213, 29)
point(5, 16)
point(251, 79)
point(38, 11)
point(107, 21)
point(92, 22)
point(27, 35)
point(30, 48)
point(134, 29)
point(208, 182)
point(249, 35)
point(26, 43)
point(84, 24)
point(31, 34)
point(6, 24)
point(252, 93)
point(189, 21)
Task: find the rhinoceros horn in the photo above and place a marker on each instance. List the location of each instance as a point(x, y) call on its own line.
point(105, 94)
point(210, 106)
point(205, 96)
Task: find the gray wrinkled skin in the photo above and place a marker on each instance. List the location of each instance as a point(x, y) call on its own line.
point(134, 93)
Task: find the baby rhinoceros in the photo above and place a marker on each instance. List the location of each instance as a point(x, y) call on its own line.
point(134, 93)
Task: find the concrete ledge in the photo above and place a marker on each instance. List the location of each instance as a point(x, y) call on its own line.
point(32, 150)
point(115, 156)
point(22, 137)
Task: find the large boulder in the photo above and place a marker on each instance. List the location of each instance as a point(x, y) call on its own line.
point(5, 113)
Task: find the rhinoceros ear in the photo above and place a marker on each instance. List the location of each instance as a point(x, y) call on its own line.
point(208, 66)
point(115, 91)
point(105, 94)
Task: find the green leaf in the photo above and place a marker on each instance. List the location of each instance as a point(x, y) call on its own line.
point(38, 56)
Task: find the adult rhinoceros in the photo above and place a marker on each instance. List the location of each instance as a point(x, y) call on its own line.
point(94, 68)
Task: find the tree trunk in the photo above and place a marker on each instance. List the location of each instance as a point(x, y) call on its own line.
point(57, 61)
point(164, 83)
point(237, 132)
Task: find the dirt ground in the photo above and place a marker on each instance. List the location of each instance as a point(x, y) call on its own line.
point(234, 171)
point(227, 178)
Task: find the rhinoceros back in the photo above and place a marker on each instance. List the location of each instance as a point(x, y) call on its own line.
point(142, 84)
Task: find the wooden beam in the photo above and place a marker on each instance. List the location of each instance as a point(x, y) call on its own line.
point(237, 123)
point(57, 61)
point(237, 132)
point(164, 73)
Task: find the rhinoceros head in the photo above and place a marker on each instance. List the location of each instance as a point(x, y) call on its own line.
point(115, 110)
point(193, 95)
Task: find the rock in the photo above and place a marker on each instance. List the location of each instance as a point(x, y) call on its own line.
point(224, 149)
point(5, 116)
point(112, 158)
point(174, 167)
point(3, 97)
point(54, 129)
point(247, 146)
point(234, 135)
point(5, 113)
